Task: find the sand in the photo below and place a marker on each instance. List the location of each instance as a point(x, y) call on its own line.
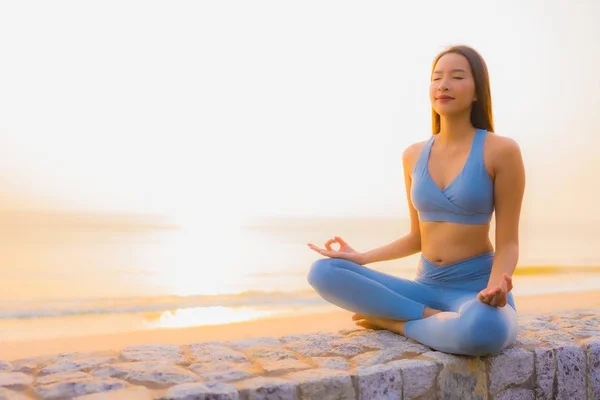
point(272, 327)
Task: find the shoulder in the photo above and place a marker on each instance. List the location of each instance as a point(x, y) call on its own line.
point(502, 150)
point(412, 152)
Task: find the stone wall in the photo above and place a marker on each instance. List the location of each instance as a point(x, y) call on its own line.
point(555, 357)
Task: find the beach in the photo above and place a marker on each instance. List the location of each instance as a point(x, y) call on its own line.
point(327, 320)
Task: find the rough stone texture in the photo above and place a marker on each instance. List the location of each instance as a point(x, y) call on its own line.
point(378, 382)
point(129, 393)
point(516, 394)
point(512, 366)
point(147, 372)
point(224, 372)
point(545, 373)
point(570, 372)
point(460, 377)
point(76, 365)
point(418, 377)
point(261, 388)
point(7, 394)
point(15, 380)
point(332, 363)
point(556, 356)
point(202, 391)
point(153, 353)
point(73, 384)
point(324, 384)
point(592, 350)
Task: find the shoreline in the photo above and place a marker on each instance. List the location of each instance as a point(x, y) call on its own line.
point(323, 321)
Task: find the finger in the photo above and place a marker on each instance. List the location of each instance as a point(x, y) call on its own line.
point(328, 244)
point(498, 301)
point(340, 240)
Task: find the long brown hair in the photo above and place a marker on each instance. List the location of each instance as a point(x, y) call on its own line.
point(481, 110)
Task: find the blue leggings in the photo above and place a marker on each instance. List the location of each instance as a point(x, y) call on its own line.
point(465, 326)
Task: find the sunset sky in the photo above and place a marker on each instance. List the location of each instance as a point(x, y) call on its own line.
point(215, 111)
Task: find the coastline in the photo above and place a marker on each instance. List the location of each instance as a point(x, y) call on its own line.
point(324, 321)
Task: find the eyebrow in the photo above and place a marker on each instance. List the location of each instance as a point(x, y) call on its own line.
point(454, 70)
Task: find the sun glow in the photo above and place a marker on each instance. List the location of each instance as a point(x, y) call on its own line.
point(200, 316)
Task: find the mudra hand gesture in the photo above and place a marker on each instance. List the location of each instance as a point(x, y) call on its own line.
point(345, 251)
point(496, 295)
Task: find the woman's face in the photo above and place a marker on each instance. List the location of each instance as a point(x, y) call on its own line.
point(452, 89)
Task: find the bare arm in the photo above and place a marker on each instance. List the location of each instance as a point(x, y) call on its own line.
point(410, 243)
point(509, 186)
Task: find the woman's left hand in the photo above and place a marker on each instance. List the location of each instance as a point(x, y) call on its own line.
point(496, 296)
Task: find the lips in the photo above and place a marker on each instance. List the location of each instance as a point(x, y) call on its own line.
point(445, 98)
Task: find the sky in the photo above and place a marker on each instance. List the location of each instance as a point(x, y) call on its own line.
point(216, 112)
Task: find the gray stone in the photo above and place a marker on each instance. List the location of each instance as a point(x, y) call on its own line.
point(555, 337)
point(69, 365)
point(537, 325)
point(62, 376)
point(310, 349)
point(346, 350)
point(570, 372)
point(460, 377)
point(323, 384)
point(15, 380)
point(376, 357)
point(584, 332)
point(159, 348)
point(378, 382)
point(527, 341)
point(129, 393)
point(213, 353)
point(544, 373)
point(418, 377)
point(516, 394)
point(7, 394)
point(147, 372)
point(512, 367)
point(262, 388)
point(202, 391)
point(153, 353)
point(311, 337)
point(224, 372)
point(592, 349)
point(332, 363)
point(61, 387)
point(28, 365)
point(285, 365)
point(256, 342)
point(271, 353)
point(362, 339)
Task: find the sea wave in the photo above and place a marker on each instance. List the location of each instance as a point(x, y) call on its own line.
point(85, 306)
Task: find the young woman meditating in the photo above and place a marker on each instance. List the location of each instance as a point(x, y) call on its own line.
point(460, 301)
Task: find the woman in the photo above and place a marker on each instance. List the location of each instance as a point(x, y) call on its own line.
point(460, 301)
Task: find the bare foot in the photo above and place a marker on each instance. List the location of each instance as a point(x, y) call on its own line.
point(369, 322)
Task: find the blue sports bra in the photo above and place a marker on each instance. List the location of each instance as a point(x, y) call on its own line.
point(468, 199)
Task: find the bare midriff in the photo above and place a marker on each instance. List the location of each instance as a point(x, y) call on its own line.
point(445, 243)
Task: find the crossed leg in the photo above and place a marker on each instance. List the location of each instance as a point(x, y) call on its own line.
point(362, 290)
point(465, 325)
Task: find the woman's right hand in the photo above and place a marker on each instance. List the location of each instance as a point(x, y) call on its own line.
point(345, 251)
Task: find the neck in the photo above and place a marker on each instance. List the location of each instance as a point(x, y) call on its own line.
point(455, 128)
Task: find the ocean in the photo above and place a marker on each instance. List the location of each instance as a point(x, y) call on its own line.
point(91, 277)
